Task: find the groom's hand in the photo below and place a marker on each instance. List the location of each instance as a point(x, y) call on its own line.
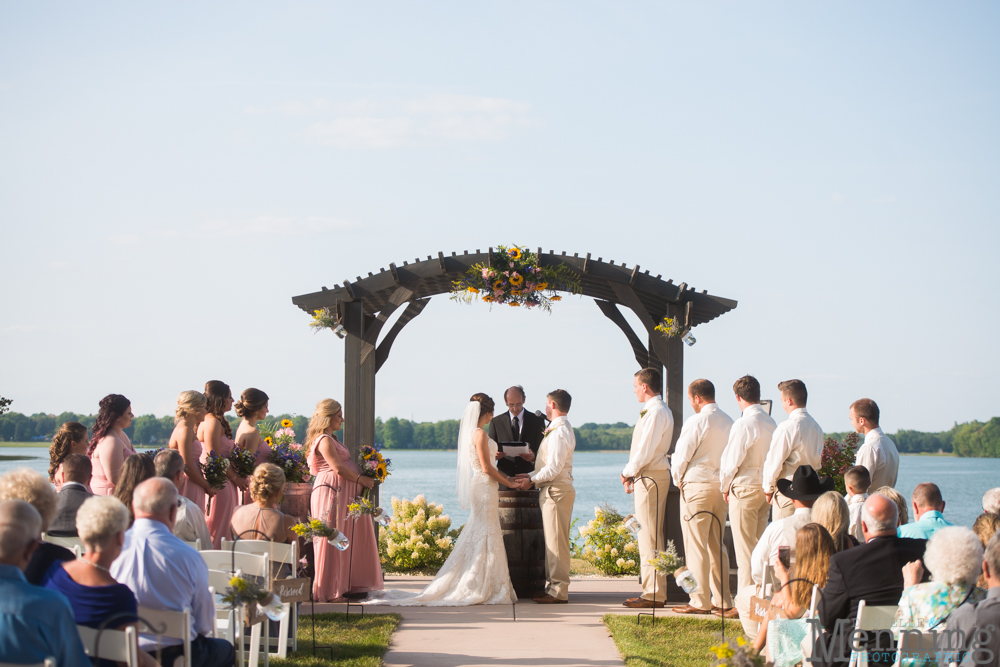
point(528, 456)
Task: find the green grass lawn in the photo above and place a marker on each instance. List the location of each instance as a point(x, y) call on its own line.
point(358, 641)
point(669, 642)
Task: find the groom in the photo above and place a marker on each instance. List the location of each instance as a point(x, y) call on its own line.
point(553, 476)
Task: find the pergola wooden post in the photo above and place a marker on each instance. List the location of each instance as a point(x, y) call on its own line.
point(365, 305)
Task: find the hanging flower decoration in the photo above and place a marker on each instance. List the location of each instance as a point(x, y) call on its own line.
point(669, 327)
point(323, 318)
point(514, 278)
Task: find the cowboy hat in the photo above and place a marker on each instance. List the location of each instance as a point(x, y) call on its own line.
point(805, 485)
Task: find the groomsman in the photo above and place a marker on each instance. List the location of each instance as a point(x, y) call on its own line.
point(695, 471)
point(742, 473)
point(554, 477)
point(798, 441)
point(648, 469)
point(516, 425)
point(877, 453)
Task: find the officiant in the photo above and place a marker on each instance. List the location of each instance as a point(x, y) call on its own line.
point(517, 425)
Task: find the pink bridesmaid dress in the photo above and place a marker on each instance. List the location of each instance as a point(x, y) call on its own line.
point(100, 482)
point(189, 489)
point(335, 572)
point(220, 516)
point(262, 455)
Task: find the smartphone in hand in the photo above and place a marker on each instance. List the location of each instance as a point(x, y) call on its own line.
point(785, 557)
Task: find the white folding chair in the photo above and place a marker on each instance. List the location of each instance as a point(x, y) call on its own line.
point(871, 617)
point(49, 662)
point(68, 542)
point(196, 545)
point(915, 644)
point(249, 564)
point(278, 553)
point(228, 622)
point(172, 624)
point(117, 645)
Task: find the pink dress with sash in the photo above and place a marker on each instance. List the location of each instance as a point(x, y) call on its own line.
point(100, 483)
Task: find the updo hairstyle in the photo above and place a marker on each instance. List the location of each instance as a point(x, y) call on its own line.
point(486, 404)
point(322, 417)
point(111, 409)
point(188, 403)
point(251, 402)
point(267, 483)
point(216, 393)
point(62, 444)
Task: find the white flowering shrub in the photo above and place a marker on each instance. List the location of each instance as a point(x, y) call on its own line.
point(608, 544)
point(418, 537)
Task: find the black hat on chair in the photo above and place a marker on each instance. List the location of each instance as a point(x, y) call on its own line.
point(805, 485)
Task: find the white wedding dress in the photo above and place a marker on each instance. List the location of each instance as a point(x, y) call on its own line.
point(476, 571)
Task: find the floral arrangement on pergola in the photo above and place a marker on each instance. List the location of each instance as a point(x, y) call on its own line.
point(514, 277)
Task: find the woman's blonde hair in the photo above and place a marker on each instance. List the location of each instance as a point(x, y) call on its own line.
point(99, 519)
point(895, 496)
point(188, 403)
point(267, 483)
point(830, 511)
point(322, 417)
point(813, 549)
point(31, 487)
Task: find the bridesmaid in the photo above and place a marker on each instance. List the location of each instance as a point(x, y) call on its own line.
point(71, 439)
point(189, 414)
point(331, 464)
point(216, 435)
point(109, 446)
point(252, 407)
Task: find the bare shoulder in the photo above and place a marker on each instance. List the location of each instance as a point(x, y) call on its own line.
point(480, 436)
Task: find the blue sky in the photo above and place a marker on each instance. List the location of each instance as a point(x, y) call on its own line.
point(172, 174)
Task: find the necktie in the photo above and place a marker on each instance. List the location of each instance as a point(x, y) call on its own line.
point(516, 429)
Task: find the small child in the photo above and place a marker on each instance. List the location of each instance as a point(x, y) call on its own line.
point(857, 480)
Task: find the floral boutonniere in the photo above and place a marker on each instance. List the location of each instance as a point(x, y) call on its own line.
point(643, 414)
point(546, 432)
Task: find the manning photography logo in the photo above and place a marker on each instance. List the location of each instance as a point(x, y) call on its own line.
point(915, 647)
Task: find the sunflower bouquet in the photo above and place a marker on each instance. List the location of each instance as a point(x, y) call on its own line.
point(214, 469)
point(314, 528)
point(243, 461)
point(669, 327)
point(285, 452)
point(323, 318)
point(667, 561)
point(514, 277)
point(372, 464)
point(361, 506)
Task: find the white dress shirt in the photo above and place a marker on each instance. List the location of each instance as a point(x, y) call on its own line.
point(798, 441)
point(780, 533)
point(749, 440)
point(700, 445)
point(190, 524)
point(879, 454)
point(165, 574)
point(554, 461)
point(854, 505)
point(651, 439)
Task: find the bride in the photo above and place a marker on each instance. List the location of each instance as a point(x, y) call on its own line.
point(476, 571)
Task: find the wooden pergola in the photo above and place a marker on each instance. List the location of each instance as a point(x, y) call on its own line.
point(364, 305)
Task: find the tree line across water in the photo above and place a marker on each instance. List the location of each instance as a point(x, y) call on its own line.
point(972, 439)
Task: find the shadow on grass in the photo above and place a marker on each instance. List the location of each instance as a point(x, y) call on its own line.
point(669, 642)
point(357, 641)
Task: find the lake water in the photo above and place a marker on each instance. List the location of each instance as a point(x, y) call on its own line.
point(595, 474)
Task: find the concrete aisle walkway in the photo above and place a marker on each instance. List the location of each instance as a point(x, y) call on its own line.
point(488, 636)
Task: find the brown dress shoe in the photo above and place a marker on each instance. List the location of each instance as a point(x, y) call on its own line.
point(728, 613)
point(548, 599)
point(642, 603)
point(632, 599)
point(688, 609)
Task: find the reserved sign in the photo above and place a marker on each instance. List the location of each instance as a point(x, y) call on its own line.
point(759, 607)
point(291, 590)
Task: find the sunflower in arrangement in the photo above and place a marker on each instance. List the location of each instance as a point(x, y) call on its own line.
point(514, 277)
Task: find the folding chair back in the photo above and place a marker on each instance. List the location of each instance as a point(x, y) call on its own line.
point(225, 561)
point(196, 545)
point(117, 645)
point(914, 646)
point(68, 542)
point(173, 624)
point(871, 617)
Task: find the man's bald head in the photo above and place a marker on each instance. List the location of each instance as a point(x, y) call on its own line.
point(156, 498)
point(879, 516)
point(20, 527)
point(514, 398)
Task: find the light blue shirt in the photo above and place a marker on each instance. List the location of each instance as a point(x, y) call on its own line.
point(166, 574)
point(930, 522)
point(36, 623)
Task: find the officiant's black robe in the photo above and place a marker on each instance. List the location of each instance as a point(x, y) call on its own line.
point(531, 434)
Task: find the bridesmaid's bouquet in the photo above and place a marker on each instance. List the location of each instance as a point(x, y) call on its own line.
point(285, 452)
point(372, 464)
point(243, 461)
point(214, 470)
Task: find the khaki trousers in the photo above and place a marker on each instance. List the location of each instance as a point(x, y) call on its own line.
point(748, 511)
point(750, 628)
point(782, 506)
point(651, 513)
point(556, 502)
point(702, 543)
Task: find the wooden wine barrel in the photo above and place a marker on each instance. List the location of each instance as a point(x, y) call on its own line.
point(521, 524)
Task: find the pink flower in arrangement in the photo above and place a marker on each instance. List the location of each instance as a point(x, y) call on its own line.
point(507, 273)
point(512, 265)
point(295, 445)
point(529, 287)
point(486, 273)
point(285, 431)
point(498, 293)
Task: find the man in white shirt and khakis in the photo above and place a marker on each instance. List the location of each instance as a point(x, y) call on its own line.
point(742, 472)
point(798, 441)
point(648, 469)
point(554, 478)
point(695, 470)
point(877, 453)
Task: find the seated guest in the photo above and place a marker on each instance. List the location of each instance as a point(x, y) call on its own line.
point(927, 508)
point(263, 520)
point(164, 573)
point(784, 628)
point(75, 489)
point(971, 617)
point(135, 470)
point(991, 501)
point(985, 526)
point(872, 572)
point(802, 491)
point(31, 487)
point(72, 438)
point(92, 593)
point(857, 480)
point(896, 497)
point(830, 511)
point(35, 623)
point(190, 524)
